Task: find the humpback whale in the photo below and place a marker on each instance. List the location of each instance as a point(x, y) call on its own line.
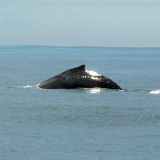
point(78, 77)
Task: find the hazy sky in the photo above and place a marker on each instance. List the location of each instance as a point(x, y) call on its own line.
point(80, 22)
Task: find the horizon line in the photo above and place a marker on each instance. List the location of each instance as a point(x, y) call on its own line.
point(69, 46)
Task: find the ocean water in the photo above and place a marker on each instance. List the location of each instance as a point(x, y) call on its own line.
point(76, 124)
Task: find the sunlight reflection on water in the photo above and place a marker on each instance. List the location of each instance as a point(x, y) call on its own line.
point(95, 90)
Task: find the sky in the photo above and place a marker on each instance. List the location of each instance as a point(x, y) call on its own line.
point(110, 23)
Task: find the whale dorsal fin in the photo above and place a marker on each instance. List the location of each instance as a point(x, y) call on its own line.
point(82, 67)
point(79, 68)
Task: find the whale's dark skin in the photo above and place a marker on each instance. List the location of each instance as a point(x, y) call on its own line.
point(78, 78)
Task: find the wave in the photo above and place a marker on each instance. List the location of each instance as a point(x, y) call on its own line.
point(98, 90)
point(142, 91)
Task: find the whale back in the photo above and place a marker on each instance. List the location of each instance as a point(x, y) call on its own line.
point(65, 79)
point(78, 77)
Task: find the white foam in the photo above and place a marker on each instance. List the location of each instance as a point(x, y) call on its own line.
point(155, 92)
point(27, 86)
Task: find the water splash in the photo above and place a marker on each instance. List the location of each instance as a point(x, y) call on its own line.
point(27, 86)
point(155, 91)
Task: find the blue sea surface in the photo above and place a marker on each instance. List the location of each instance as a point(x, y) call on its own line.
point(79, 124)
